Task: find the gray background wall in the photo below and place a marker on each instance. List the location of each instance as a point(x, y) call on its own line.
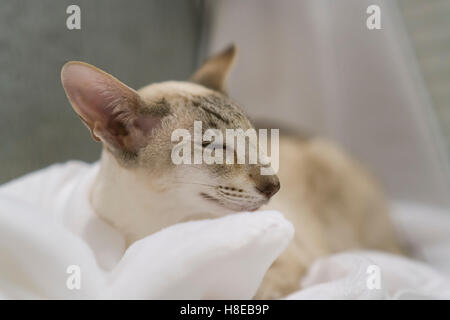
point(138, 41)
point(310, 65)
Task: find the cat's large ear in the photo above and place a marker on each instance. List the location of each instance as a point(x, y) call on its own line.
point(213, 73)
point(109, 108)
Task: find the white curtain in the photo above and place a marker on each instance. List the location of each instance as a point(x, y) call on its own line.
point(314, 65)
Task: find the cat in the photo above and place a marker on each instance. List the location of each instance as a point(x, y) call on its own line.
point(332, 202)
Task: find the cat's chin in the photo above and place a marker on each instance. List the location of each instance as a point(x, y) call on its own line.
point(255, 208)
point(242, 209)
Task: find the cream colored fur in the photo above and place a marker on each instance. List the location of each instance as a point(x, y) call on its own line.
point(333, 203)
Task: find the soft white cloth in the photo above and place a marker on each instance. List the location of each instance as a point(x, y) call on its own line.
point(47, 225)
point(425, 230)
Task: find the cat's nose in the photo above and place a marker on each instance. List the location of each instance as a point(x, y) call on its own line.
point(270, 188)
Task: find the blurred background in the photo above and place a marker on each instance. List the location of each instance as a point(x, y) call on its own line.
point(308, 65)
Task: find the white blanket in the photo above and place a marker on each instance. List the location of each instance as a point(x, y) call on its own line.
point(48, 230)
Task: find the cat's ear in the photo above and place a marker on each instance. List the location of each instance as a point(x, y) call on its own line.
point(213, 73)
point(109, 108)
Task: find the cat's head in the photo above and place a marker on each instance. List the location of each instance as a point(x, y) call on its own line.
point(136, 129)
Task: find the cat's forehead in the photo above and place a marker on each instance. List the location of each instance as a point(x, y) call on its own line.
point(213, 108)
point(173, 89)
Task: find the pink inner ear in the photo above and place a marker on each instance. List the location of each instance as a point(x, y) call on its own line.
point(95, 94)
point(107, 106)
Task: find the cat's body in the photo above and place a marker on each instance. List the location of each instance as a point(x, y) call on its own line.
point(333, 204)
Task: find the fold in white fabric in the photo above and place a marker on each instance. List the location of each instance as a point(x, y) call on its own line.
point(47, 225)
point(349, 275)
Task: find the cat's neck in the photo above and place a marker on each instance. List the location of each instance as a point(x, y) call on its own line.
point(133, 203)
